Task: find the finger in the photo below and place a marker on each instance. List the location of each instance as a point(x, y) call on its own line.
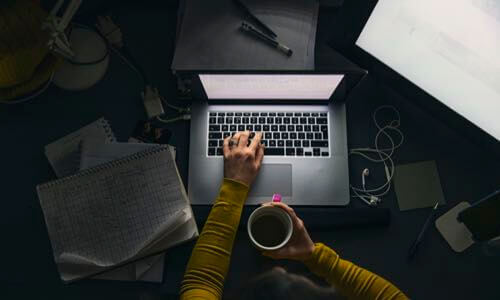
point(225, 147)
point(259, 156)
point(256, 141)
point(243, 142)
point(267, 204)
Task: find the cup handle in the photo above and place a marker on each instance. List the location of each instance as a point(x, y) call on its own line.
point(277, 198)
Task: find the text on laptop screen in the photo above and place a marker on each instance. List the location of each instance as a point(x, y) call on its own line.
point(270, 86)
point(449, 48)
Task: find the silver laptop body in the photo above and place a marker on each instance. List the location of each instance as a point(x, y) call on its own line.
point(304, 171)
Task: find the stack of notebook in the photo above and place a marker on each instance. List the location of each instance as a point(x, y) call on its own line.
point(114, 217)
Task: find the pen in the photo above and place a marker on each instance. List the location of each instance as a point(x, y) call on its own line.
point(252, 31)
point(416, 243)
point(254, 18)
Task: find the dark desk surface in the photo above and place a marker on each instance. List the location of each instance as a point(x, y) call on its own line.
point(28, 269)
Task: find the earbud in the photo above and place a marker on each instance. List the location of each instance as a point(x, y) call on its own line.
point(365, 173)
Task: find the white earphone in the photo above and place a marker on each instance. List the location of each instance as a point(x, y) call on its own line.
point(372, 196)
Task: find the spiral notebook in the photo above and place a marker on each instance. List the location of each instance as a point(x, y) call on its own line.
point(64, 154)
point(115, 213)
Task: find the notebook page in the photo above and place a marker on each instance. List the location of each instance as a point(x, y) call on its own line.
point(105, 215)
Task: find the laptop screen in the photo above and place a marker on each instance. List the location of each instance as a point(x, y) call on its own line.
point(270, 86)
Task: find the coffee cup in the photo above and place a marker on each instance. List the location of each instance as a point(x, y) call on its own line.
point(269, 228)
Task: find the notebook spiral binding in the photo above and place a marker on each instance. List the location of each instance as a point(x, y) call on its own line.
point(109, 165)
point(109, 132)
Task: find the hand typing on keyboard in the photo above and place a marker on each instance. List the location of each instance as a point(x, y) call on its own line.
point(242, 160)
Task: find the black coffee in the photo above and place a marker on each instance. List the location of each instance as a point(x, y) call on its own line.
point(268, 231)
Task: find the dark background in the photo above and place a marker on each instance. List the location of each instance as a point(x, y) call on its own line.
point(467, 171)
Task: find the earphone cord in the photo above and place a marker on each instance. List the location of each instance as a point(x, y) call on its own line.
point(384, 155)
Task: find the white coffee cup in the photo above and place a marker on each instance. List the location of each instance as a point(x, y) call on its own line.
point(269, 228)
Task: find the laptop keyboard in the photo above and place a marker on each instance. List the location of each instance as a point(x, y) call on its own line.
point(302, 134)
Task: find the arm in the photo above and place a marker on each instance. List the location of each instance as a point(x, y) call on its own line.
point(350, 280)
point(209, 262)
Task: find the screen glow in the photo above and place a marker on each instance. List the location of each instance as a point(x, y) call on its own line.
point(449, 48)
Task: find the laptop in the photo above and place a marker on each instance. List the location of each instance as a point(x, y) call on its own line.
point(302, 116)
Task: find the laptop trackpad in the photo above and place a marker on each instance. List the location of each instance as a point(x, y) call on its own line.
point(272, 179)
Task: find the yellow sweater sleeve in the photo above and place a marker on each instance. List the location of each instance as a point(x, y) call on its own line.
point(209, 263)
point(350, 280)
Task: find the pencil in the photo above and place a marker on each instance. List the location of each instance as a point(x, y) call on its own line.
point(254, 32)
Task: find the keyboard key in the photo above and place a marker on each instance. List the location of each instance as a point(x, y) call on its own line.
point(211, 151)
point(316, 152)
point(299, 151)
point(324, 128)
point(306, 114)
point(317, 136)
point(237, 120)
point(324, 153)
point(272, 143)
point(281, 143)
point(303, 120)
point(299, 128)
point(282, 127)
point(212, 143)
point(249, 127)
point(270, 120)
point(289, 114)
point(253, 120)
point(268, 136)
point(274, 151)
point(284, 135)
point(214, 135)
point(212, 120)
point(309, 136)
point(290, 152)
point(315, 128)
point(321, 121)
point(291, 128)
point(296, 143)
point(232, 128)
point(293, 135)
point(274, 127)
point(314, 114)
point(214, 128)
point(265, 127)
point(311, 121)
point(286, 120)
point(302, 135)
point(323, 144)
point(325, 135)
point(246, 114)
point(295, 120)
point(262, 120)
point(272, 114)
point(258, 128)
point(252, 135)
point(308, 153)
point(225, 128)
point(289, 143)
point(322, 114)
point(219, 151)
point(278, 120)
point(307, 128)
point(276, 135)
point(245, 120)
point(213, 114)
point(220, 120)
point(230, 114)
point(238, 114)
point(226, 134)
point(263, 142)
point(255, 114)
point(241, 127)
point(229, 120)
point(281, 114)
point(297, 114)
point(305, 144)
point(263, 114)
point(222, 114)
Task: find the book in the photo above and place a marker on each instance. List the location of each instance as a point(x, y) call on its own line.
point(115, 213)
point(64, 154)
